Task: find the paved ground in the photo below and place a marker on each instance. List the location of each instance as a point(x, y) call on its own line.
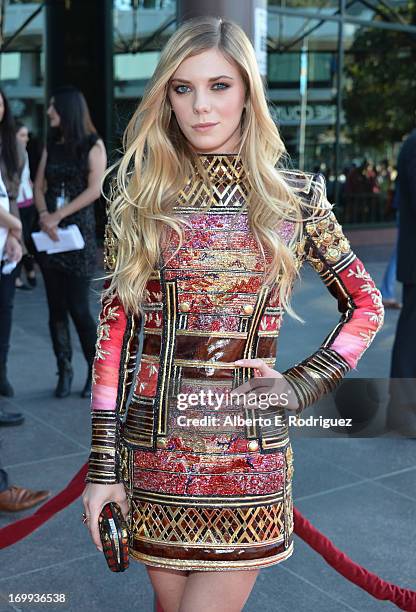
point(360, 492)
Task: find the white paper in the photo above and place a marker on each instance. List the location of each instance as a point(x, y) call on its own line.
point(8, 267)
point(70, 239)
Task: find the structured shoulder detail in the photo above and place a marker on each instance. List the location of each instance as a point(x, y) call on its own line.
point(319, 207)
point(298, 180)
point(319, 195)
point(312, 190)
point(323, 232)
point(327, 235)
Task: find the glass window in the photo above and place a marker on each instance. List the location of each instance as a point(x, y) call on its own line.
point(135, 66)
point(9, 66)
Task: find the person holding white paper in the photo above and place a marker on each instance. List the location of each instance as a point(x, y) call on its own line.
point(67, 184)
point(69, 239)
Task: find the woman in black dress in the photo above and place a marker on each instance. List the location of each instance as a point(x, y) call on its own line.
point(67, 184)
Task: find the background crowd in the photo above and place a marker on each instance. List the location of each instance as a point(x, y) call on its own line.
point(48, 188)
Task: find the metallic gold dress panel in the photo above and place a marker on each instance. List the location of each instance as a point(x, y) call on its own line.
point(209, 488)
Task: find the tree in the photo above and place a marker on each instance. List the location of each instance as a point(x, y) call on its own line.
point(380, 96)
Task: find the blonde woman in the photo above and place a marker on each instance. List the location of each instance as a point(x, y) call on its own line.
point(206, 235)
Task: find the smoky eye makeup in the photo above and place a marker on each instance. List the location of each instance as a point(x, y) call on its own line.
point(224, 86)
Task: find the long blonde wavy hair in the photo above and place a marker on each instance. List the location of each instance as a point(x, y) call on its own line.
point(158, 161)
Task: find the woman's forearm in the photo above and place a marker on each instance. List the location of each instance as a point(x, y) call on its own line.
point(8, 220)
point(87, 197)
point(40, 201)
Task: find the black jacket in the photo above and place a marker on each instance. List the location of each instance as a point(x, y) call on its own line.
point(406, 166)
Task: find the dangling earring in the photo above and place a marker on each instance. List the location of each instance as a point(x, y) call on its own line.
point(243, 116)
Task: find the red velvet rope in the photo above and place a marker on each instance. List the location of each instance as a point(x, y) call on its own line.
point(405, 599)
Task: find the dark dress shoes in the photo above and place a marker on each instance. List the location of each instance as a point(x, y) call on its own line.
point(15, 499)
point(10, 418)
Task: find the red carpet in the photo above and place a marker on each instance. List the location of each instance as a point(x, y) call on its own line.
point(405, 599)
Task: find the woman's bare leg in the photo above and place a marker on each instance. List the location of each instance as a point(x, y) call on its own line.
point(225, 591)
point(168, 586)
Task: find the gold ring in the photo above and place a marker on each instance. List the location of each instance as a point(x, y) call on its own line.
point(85, 518)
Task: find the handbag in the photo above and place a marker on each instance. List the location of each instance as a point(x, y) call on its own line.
point(114, 537)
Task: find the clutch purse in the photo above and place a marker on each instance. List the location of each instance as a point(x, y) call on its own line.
point(114, 537)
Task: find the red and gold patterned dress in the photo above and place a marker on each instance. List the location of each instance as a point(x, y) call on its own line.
point(216, 497)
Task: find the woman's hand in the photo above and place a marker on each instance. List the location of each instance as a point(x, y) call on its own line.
point(267, 381)
point(13, 248)
point(94, 498)
point(17, 233)
point(49, 223)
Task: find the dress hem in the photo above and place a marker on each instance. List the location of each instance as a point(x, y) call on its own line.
point(215, 565)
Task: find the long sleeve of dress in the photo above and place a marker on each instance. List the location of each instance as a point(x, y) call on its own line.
point(325, 247)
point(112, 377)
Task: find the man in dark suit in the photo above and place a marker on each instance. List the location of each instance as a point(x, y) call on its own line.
point(402, 408)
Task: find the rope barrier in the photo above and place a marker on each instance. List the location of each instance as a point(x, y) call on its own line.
point(405, 599)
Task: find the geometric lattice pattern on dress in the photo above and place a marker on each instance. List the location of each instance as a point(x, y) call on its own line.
point(202, 526)
point(229, 186)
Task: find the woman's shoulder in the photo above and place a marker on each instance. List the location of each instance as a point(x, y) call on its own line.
point(298, 179)
point(312, 184)
point(93, 147)
point(92, 139)
point(311, 188)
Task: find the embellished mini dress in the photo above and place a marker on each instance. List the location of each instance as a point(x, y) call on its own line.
point(209, 487)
